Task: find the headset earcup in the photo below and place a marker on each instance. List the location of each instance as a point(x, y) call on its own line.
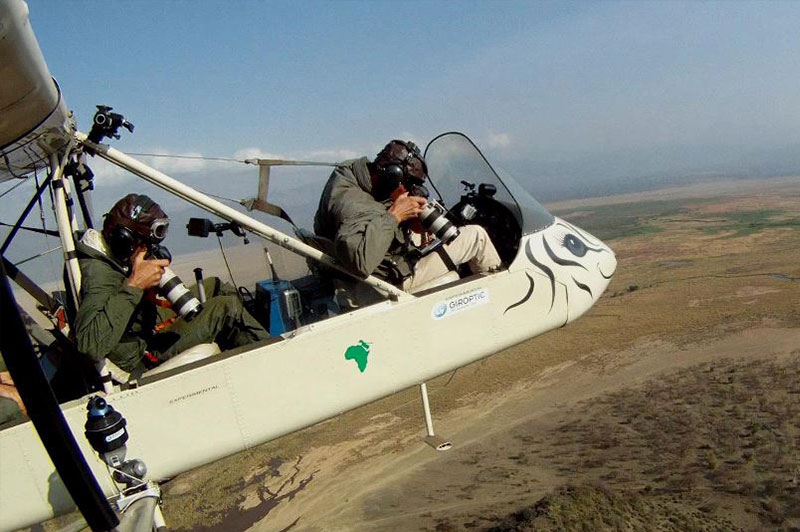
point(389, 177)
point(393, 173)
point(121, 242)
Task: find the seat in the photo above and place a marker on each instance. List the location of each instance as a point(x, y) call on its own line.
point(348, 293)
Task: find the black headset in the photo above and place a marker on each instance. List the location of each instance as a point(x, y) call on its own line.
point(122, 241)
point(395, 172)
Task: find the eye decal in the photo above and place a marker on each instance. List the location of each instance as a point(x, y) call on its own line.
point(575, 245)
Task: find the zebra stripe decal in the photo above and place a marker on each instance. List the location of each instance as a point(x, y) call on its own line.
point(527, 296)
point(546, 270)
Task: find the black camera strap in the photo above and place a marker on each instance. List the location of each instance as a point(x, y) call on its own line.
point(446, 258)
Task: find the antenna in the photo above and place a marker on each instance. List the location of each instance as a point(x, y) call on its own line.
point(271, 265)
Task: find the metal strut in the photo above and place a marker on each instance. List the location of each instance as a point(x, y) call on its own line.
point(437, 442)
point(209, 204)
point(66, 222)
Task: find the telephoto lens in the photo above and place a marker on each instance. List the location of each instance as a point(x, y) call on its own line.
point(433, 219)
point(184, 304)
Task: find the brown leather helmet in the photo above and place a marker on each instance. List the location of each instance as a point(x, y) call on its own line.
point(132, 220)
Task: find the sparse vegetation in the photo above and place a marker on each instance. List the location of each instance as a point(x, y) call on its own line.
point(712, 447)
point(626, 220)
point(718, 429)
point(610, 222)
point(744, 223)
point(595, 508)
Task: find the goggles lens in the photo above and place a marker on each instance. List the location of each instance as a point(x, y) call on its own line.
point(159, 228)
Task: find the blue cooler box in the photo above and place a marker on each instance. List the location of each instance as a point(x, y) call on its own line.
point(278, 304)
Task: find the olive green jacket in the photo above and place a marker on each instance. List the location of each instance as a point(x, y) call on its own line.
point(114, 319)
point(367, 239)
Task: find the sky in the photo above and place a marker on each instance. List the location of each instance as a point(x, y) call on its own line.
point(575, 98)
point(554, 81)
point(539, 81)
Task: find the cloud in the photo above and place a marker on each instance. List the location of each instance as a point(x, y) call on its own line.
point(255, 153)
point(498, 140)
point(331, 154)
point(171, 163)
point(108, 174)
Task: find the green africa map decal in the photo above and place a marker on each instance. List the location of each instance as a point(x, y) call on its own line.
point(359, 353)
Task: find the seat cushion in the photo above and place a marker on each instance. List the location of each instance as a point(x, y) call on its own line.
point(193, 354)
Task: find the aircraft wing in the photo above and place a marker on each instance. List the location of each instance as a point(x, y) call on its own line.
point(34, 121)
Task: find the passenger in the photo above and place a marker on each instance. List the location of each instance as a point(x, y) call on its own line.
point(370, 211)
point(11, 406)
point(119, 316)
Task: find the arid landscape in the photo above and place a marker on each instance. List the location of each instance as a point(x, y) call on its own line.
point(674, 404)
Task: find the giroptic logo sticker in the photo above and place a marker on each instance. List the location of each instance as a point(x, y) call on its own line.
point(460, 303)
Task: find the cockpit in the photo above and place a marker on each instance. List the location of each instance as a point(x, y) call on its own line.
point(476, 193)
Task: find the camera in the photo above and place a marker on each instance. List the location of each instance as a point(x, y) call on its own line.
point(106, 124)
point(172, 288)
point(433, 216)
point(434, 219)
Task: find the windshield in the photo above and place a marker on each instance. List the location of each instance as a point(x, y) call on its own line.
point(452, 158)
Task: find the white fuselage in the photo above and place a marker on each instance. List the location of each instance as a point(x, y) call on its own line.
point(199, 413)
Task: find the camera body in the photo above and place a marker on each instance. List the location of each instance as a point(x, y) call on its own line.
point(172, 288)
point(434, 216)
point(106, 124)
point(434, 219)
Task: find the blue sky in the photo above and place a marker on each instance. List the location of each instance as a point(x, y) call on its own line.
point(575, 98)
point(553, 80)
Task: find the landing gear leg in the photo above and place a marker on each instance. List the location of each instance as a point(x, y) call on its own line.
point(437, 442)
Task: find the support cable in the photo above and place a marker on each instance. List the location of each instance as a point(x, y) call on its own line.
point(23, 216)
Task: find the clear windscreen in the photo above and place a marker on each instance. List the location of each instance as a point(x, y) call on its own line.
point(453, 159)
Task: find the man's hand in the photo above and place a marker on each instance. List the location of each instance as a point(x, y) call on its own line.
point(8, 390)
point(407, 207)
point(145, 273)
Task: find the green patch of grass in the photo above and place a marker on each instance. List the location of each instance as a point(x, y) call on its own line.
point(643, 230)
point(608, 222)
point(749, 222)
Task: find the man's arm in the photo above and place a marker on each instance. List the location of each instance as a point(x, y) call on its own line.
point(364, 238)
point(367, 229)
point(9, 391)
point(107, 306)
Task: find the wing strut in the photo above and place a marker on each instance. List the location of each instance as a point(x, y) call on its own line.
point(209, 204)
point(46, 416)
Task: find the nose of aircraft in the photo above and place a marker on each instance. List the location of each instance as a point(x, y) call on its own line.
point(607, 265)
point(581, 262)
point(600, 265)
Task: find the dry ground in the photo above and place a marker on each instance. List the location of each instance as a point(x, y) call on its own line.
point(672, 405)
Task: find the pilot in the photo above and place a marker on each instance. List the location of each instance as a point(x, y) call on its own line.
point(120, 316)
point(370, 210)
